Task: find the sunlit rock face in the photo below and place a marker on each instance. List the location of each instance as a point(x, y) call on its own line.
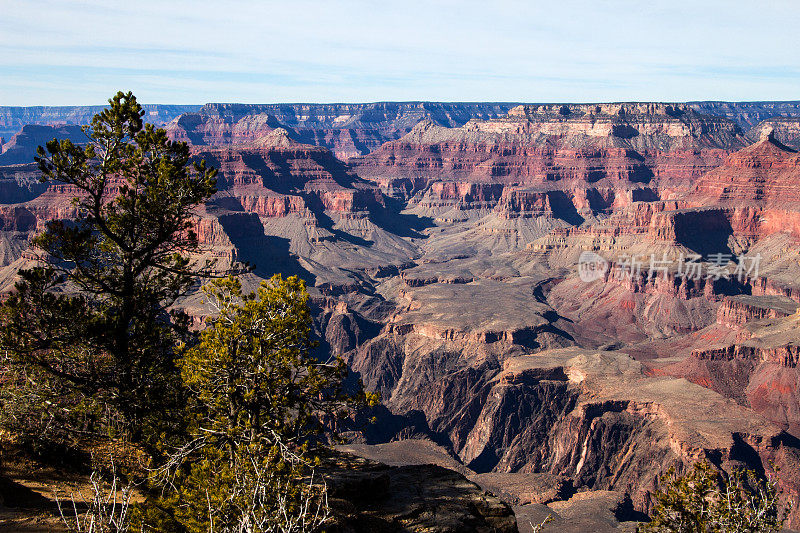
point(539, 144)
point(784, 130)
point(442, 262)
point(348, 130)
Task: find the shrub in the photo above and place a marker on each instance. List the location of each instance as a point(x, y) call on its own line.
point(706, 501)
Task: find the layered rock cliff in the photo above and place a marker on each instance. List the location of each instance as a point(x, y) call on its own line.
point(758, 367)
point(591, 158)
point(444, 267)
point(748, 114)
point(785, 130)
point(628, 142)
point(12, 119)
point(21, 148)
point(346, 129)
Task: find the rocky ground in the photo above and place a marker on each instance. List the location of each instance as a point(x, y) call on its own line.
point(363, 495)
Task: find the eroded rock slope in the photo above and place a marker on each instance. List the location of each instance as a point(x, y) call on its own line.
point(443, 266)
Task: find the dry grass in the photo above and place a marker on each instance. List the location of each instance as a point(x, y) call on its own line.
point(29, 490)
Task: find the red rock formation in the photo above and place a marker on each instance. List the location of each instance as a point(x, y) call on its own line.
point(348, 130)
point(279, 177)
point(588, 159)
point(736, 311)
point(274, 177)
point(592, 417)
point(760, 369)
point(536, 144)
point(450, 296)
point(759, 185)
point(764, 173)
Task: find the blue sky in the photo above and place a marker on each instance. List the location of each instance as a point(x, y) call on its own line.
point(65, 52)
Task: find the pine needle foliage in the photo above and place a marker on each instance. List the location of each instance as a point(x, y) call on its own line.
point(260, 403)
point(93, 320)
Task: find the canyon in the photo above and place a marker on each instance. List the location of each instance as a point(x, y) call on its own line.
point(445, 245)
point(12, 119)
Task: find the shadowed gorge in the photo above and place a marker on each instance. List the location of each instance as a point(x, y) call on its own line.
point(442, 245)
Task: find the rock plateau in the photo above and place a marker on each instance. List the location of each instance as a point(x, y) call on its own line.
point(441, 244)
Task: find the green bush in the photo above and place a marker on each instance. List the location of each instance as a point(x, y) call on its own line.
point(706, 501)
point(258, 407)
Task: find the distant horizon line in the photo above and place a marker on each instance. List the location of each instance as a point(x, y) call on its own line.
point(340, 103)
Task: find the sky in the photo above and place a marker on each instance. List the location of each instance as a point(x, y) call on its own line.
point(70, 52)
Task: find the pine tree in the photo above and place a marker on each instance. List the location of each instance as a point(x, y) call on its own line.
point(92, 327)
point(260, 400)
